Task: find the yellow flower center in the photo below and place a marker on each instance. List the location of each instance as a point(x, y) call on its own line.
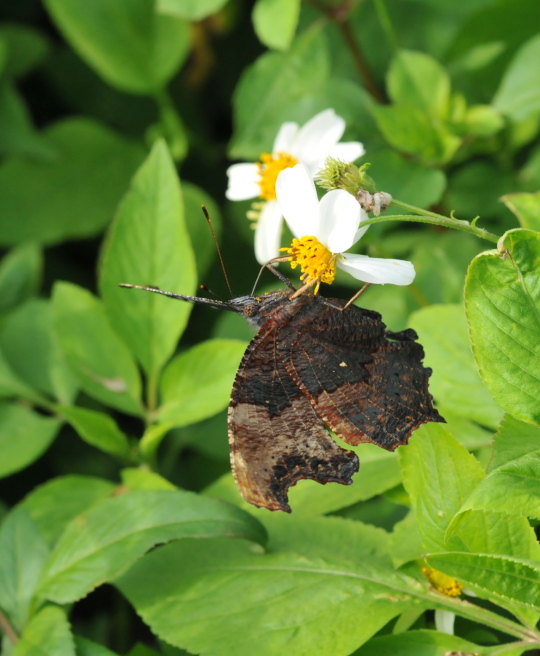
point(270, 167)
point(315, 260)
point(446, 584)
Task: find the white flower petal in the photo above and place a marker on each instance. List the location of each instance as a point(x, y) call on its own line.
point(268, 232)
point(361, 231)
point(444, 621)
point(285, 138)
point(243, 182)
point(340, 216)
point(297, 198)
point(378, 270)
point(317, 137)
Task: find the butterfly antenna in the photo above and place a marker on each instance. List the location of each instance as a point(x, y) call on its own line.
point(218, 249)
point(207, 289)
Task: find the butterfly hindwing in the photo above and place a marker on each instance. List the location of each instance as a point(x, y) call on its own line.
point(367, 384)
point(276, 436)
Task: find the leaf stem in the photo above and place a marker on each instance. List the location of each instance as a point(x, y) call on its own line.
point(425, 216)
point(8, 629)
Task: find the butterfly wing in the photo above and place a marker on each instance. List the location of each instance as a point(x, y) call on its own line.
point(276, 437)
point(367, 384)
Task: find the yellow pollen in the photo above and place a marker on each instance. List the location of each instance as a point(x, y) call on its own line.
point(270, 167)
point(446, 584)
point(315, 260)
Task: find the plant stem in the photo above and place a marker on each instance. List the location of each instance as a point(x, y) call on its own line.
point(8, 629)
point(424, 216)
point(386, 24)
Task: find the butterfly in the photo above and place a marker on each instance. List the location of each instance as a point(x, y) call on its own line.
point(316, 362)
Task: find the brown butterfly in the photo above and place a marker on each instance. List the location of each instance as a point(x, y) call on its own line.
point(316, 362)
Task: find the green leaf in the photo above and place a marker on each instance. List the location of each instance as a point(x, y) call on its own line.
point(200, 236)
point(24, 436)
point(272, 83)
point(55, 503)
point(439, 474)
point(418, 80)
point(24, 554)
point(106, 540)
point(513, 440)
point(47, 634)
point(275, 22)
point(192, 10)
point(518, 95)
point(526, 207)
point(20, 275)
point(137, 478)
point(420, 643)
point(31, 350)
point(11, 385)
point(482, 121)
point(100, 359)
point(455, 382)
point(266, 603)
point(406, 541)
point(504, 327)
point(26, 48)
point(34, 203)
point(149, 245)
point(130, 45)
point(494, 577)
point(197, 384)
point(88, 648)
point(98, 429)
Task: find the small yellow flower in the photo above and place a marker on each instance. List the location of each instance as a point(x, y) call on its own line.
point(446, 584)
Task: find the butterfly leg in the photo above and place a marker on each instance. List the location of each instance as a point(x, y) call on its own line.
point(356, 296)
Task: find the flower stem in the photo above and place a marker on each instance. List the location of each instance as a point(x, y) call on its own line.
point(424, 216)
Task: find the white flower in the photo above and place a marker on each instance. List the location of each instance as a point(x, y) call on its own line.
point(326, 229)
point(310, 144)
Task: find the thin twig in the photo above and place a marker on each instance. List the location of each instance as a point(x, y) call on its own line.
point(8, 629)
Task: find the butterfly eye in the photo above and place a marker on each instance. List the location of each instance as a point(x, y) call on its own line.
point(251, 310)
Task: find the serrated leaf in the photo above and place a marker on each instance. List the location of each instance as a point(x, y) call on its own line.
point(130, 45)
point(98, 429)
point(24, 554)
point(24, 436)
point(455, 382)
point(28, 342)
point(47, 634)
point(526, 207)
point(513, 440)
point(406, 541)
point(420, 643)
point(504, 327)
point(20, 275)
point(494, 577)
point(193, 10)
point(275, 22)
point(149, 245)
point(197, 384)
point(263, 603)
point(417, 79)
point(88, 648)
point(518, 95)
point(34, 205)
point(106, 540)
point(55, 503)
point(99, 358)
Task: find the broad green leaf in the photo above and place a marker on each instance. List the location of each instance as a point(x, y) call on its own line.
point(513, 440)
point(130, 45)
point(455, 382)
point(24, 554)
point(420, 643)
point(24, 436)
point(482, 121)
point(30, 348)
point(86, 647)
point(264, 604)
point(107, 539)
point(199, 234)
point(518, 95)
point(417, 79)
point(11, 385)
point(439, 474)
point(100, 359)
point(275, 22)
point(494, 577)
point(197, 384)
point(138, 478)
point(273, 82)
point(47, 634)
point(149, 245)
point(55, 503)
point(98, 429)
point(406, 541)
point(20, 275)
point(192, 10)
point(34, 203)
point(526, 207)
point(504, 327)
point(26, 48)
